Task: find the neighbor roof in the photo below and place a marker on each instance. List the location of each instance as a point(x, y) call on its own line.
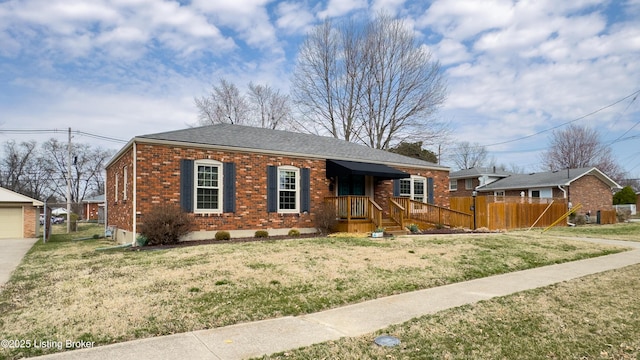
point(246, 138)
point(546, 179)
point(8, 196)
point(479, 171)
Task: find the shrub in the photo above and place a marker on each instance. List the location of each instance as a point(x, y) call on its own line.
point(262, 234)
point(580, 220)
point(326, 218)
point(165, 225)
point(413, 228)
point(223, 235)
point(294, 233)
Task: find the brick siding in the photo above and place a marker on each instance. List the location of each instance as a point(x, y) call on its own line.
point(592, 193)
point(158, 182)
point(31, 222)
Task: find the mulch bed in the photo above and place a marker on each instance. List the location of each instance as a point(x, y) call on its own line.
point(181, 244)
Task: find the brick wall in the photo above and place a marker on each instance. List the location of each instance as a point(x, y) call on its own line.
point(119, 208)
point(158, 182)
point(31, 222)
point(592, 193)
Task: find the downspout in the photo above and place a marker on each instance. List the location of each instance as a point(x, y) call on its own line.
point(135, 200)
point(563, 191)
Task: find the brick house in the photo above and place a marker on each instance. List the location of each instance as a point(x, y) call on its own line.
point(462, 183)
point(19, 215)
point(242, 179)
point(93, 208)
point(587, 186)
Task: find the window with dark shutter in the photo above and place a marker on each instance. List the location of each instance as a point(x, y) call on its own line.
point(186, 185)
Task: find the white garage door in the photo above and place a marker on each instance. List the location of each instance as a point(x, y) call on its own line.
point(10, 222)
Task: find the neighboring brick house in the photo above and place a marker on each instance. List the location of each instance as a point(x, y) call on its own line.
point(587, 186)
point(93, 208)
point(19, 215)
point(242, 179)
point(463, 183)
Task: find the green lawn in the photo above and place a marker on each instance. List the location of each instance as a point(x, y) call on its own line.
point(65, 290)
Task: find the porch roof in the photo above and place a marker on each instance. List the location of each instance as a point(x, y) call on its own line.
point(345, 168)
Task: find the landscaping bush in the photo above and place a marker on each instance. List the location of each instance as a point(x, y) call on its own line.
point(223, 235)
point(294, 233)
point(326, 218)
point(262, 234)
point(580, 220)
point(165, 225)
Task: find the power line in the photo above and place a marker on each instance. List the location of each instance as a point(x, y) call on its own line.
point(56, 131)
point(633, 94)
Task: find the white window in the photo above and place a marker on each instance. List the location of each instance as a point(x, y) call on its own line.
point(453, 184)
point(288, 189)
point(414, 188)
point(117, 180)
point(208, 186)
point(468, 184)
point(124, 180)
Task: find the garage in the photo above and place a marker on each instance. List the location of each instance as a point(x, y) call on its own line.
point(11, 222)
point(19, 215)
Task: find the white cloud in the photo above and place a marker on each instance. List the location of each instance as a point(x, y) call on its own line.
point(294, 17)
point(462, 19)
point(392, 7)
point(337, 8)
point(249, 18)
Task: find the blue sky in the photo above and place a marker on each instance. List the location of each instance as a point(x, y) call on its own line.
point(121, 68)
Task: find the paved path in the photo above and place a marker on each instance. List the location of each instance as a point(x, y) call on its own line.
point(11, 253)
point(269, 336)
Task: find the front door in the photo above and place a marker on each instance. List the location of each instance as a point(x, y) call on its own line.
point(351, 185)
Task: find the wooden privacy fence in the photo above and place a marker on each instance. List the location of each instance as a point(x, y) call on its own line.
point(503, 212)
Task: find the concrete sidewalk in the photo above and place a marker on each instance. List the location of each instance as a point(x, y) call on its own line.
point(270, 336)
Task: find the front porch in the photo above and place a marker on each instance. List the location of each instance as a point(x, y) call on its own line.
point(362, 214)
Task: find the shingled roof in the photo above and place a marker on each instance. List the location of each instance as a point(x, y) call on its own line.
point(479, 171)
point(246, 138)
point(546, 179)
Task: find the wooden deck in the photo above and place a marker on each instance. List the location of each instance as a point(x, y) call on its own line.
point(362, 214)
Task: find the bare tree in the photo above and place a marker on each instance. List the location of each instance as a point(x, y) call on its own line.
point(15, 165)
point(578, 147)
point(87, 168)
point(370, 83)
point(262, 106)
point(467, 155)
point(270, 108)
point(224, 105)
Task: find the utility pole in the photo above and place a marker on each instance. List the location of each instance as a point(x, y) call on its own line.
point(69, 184)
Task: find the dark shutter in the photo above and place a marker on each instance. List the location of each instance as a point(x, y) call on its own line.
point(305, 191)
point(430, 190)
point(272, 189)
point(186, 185)
point(396, 187)
point(229, 195)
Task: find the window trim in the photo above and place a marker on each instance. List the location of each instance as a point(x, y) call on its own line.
point(125, 170)
point(297, 190)
point(213, 163)
point(453, 184)
point(412, 180)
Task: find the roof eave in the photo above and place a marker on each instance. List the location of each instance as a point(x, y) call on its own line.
point(146, 140)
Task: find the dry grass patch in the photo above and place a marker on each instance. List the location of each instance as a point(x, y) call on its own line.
point(595, 317)
point(68, 291)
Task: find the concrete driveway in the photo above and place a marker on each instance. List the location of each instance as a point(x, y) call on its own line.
point(11, 253)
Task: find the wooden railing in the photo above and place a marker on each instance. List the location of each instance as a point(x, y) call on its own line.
point(353, 207)
point(433, 214)
point(397, 212)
